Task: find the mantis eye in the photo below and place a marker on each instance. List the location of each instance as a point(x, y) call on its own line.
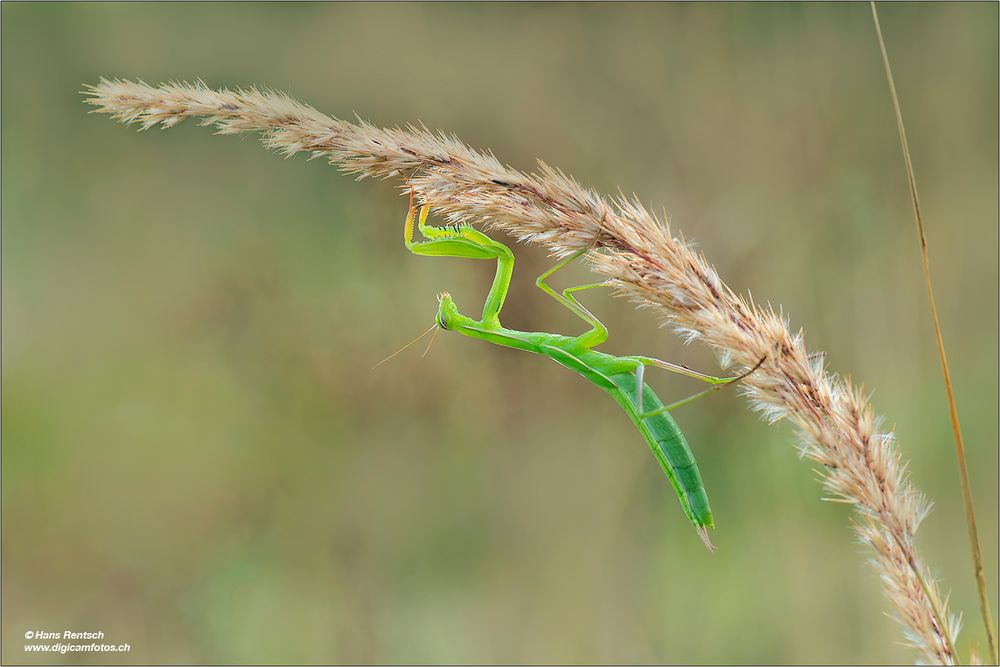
point(440, 321)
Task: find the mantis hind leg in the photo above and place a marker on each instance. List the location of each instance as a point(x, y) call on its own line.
point(718, 383)
point(599, 333)
point(684, 370)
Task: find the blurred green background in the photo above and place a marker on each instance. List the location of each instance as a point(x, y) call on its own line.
point(198, 458)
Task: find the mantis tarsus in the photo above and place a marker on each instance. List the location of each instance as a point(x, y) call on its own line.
point(621, 377)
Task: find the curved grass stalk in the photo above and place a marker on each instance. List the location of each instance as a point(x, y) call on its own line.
point(646, 263)
point(963, 468)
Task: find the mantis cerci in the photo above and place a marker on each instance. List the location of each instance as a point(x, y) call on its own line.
point(621, 377)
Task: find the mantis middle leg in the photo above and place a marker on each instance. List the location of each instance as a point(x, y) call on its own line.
point(599, 333)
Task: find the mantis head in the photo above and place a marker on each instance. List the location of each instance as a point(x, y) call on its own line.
point(448, 316)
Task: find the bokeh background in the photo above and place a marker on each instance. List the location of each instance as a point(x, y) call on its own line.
point(198, 458)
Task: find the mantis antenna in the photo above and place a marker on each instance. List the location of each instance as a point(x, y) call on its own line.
point(433, 328)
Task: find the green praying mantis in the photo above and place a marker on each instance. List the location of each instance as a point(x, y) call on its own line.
point(621, 377)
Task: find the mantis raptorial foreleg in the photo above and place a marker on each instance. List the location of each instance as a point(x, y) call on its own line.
point(463, 241)
point(599, 333)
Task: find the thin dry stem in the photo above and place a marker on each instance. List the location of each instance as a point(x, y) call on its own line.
point(645, 263)
point(963, 468)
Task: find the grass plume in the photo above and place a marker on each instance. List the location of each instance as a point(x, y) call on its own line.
point(646, 263)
